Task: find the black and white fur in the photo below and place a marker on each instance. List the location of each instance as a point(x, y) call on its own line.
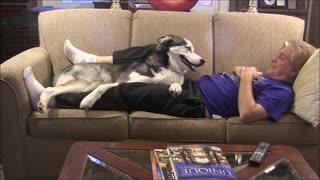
point(172, 57)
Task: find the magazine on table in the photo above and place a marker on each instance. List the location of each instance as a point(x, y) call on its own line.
point(199, 162)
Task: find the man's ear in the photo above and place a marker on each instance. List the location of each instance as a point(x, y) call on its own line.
point(295, 73)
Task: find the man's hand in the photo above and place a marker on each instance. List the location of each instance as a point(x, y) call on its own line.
point(249, 72)
point(237, 70)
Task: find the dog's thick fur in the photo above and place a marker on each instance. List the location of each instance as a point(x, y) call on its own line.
point(171, 58)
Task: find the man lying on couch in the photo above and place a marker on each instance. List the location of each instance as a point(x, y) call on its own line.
point(243, 92)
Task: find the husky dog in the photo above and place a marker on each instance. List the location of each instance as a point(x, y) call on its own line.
point(171, 58)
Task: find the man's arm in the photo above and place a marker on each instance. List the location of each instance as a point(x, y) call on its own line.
point(249, 110)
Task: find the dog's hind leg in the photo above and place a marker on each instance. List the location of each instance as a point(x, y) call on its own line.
point(71, 87)
point(91, 98)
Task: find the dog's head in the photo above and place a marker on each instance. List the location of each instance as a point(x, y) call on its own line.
point(179, 53)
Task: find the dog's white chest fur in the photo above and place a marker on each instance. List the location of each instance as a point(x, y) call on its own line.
point(168, 77)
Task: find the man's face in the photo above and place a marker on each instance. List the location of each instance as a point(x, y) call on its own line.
point(282, 67)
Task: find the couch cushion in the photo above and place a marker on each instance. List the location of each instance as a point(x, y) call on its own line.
point(251, 39)
point(307, 93)
point(158, 127)
point(147, 26)
point(290, 129)
point(79, 124)
point(96, 31)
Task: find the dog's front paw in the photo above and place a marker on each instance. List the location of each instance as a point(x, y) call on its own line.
point(175, 89)
point(44, 99)
point(42, 107)
point(87, 102)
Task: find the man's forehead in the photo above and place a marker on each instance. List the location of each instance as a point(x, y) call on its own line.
point(288, 50)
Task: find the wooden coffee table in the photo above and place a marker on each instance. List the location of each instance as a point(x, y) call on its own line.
point(131, 160)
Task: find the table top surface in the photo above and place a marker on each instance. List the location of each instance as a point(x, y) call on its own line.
point(77, 158)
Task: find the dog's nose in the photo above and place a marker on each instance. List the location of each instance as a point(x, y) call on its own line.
point(202, 61)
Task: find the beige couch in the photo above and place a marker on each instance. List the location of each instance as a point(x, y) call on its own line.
point(34, 145)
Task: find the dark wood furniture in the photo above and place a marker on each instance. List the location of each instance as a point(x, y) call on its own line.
point(12, 7)
point(131, 5)
point(18, 27)
point(311, 34)
point(132, 160)
point(301, 10)
point(107, 4)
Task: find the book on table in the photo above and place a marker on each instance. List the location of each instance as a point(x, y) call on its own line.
point(162, 165)
point(156, 172)
point(199, 162)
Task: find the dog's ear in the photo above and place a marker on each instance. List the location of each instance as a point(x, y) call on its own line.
point(165, 39)
point(164, 43)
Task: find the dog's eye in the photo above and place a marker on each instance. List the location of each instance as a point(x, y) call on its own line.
point(188, 48)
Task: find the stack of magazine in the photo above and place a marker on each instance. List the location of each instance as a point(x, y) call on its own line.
point(191, 162)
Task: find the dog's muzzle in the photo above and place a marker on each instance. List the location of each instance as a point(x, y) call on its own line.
point(190, 65)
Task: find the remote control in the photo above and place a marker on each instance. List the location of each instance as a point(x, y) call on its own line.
point(259, 154)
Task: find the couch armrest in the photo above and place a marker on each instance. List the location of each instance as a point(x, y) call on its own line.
point(15, 104)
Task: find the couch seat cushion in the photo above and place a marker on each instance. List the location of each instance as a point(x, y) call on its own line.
point(159, 127)
point(290, 129)
point(79, 124)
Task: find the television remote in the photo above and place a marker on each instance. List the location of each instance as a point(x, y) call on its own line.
point(259, 154)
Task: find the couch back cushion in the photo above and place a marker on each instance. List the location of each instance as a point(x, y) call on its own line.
point(97, 31)
point(251, 39)
point(197, 27)
point(307, 91)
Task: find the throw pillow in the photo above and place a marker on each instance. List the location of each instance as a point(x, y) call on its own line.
point(307, 93)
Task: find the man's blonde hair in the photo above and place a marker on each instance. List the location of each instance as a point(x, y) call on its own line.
point(303, 51)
